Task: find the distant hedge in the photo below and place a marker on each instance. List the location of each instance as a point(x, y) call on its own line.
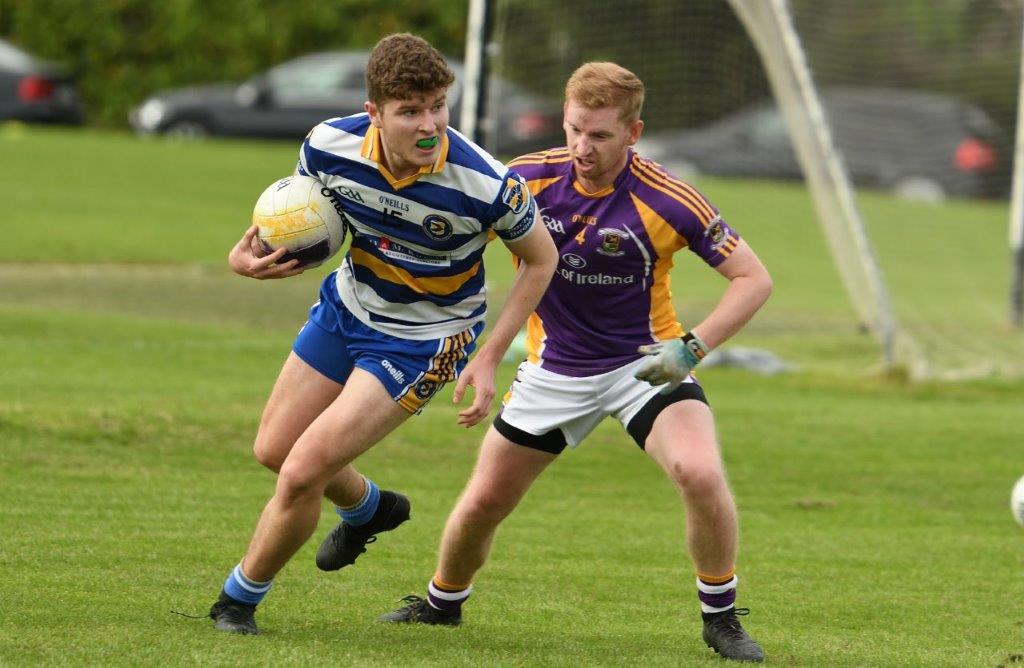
point(125, 49)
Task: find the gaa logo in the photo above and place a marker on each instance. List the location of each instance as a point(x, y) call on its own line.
point(425, 388)
point(437, 227)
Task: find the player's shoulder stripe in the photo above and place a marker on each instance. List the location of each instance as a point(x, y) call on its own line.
point(464, 153)
point(651, 167)
point(549, 156)
point(646, 180)
point(652, 175)
point(340, 137)
point(355, 124)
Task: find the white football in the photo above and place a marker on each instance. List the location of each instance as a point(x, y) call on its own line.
point(301, 214)
point(1017, 501)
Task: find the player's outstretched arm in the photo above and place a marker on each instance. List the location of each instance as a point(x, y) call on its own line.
point(245, 259)
point(537, 256)
point(749, 287)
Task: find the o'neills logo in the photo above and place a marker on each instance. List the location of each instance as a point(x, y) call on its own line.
point(329, 194)
point(395, 372)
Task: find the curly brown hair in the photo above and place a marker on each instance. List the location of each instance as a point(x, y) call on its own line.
point(402, 66)
point(601, 84)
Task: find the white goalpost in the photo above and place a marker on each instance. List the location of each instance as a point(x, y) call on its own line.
point(1017, 213)
point(771, 28)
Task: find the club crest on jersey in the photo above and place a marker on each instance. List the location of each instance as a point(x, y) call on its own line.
point(717, 231)
point(437, 227)
point(611, 240)
point(515, 194)
point(425, 388)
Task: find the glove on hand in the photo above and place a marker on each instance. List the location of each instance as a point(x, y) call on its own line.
point(671, 361)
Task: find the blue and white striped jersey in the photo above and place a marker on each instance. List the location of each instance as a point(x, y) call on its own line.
point(415, 267)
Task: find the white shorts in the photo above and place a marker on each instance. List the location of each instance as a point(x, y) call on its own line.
point(547, 410)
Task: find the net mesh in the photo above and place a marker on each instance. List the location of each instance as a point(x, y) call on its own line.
point(920, 97)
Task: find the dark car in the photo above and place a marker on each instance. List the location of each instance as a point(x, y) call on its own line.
point(289, 99)
point(919, 145)
point(35, 90)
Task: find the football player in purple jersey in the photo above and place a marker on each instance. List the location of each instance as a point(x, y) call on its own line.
point(604, 341)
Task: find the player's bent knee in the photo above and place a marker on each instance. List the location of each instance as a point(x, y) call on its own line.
point(297, 483)
point(697, 480)
point(487, 507)
point(267, 455)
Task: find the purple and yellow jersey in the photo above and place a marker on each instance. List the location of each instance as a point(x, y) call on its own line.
point(415, 267)
point(611, 290)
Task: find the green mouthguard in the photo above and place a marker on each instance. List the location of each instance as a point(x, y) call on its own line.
point(427, 143)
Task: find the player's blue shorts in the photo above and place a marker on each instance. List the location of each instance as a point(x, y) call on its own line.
point(333, 341)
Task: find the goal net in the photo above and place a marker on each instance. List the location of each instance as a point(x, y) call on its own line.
point(864, 149)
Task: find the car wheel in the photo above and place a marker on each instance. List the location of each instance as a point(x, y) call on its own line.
point(186, 130)
point(920, 189)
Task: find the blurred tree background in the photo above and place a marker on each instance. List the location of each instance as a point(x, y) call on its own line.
point(694, 53)
point(125, 49)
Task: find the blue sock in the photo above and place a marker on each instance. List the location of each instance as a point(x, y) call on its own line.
point(362, 512)
point(244, 590)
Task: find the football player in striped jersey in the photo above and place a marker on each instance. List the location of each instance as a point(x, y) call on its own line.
point(605, 341)
point(395, 322)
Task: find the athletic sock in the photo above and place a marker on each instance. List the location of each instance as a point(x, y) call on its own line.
point(363, 511)
point(446, 597)
point(716, 593)
point(244, 590)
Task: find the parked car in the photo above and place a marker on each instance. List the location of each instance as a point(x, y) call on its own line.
point(289, 99)
point(35, 90)
point(920, 145)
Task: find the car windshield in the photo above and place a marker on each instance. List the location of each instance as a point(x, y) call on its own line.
point(11, 57)
point(316, 76)
point(766, 127)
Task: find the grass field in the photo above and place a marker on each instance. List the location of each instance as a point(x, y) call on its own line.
point(875, 522)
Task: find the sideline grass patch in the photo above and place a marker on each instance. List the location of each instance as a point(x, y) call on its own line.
point(875, 520)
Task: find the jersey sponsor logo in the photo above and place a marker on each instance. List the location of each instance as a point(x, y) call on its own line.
point(717, 231)
point(349, 193)
point(515, 194)
point(553, 224)
point(574, 260)
point(395, 372)
point(395, 250)
point(611, 242)
point(599, 278)
point(437, 227)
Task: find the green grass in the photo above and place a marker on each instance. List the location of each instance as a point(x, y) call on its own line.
point(875, 523)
